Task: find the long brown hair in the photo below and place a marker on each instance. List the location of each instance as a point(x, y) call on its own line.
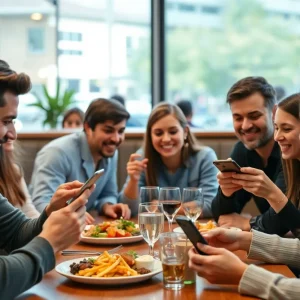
point(160, 111)
point(10, 177)
point(291, 167)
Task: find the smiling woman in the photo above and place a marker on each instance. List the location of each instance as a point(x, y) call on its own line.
point(170, 157)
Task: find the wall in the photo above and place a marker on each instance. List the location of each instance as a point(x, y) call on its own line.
point(30, 143)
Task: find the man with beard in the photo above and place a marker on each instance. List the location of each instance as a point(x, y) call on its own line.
point(77, 156)
point(251, 101)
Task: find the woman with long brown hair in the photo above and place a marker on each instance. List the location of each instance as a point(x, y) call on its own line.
point(12, 182)
point(170, 156)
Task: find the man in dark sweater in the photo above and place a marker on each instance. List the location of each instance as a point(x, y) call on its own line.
point(31, 244)
point(252, 101)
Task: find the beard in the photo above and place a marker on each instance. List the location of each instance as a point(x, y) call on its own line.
point(4, 140)
point(104, 154)
point(265, 138)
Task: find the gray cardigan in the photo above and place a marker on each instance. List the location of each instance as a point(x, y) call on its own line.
point(265, 284)
point(31, 256)
point(200, 173)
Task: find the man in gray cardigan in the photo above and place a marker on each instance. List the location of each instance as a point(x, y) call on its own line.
point(31, 244)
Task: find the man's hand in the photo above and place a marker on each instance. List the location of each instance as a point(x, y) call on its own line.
point(235, 220)
point(63, 227)
point(228, 238)
point(116, 210)
point(89, 219)
point(219, 266)
point(226, 184)
point(64, 192)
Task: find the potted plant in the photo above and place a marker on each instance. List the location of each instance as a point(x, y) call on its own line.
point(54, 107)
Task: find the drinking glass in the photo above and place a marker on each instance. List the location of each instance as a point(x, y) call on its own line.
point(173, 254)
point(149, 193)
point(151, 222)
point(170, 199)
point(192, 202)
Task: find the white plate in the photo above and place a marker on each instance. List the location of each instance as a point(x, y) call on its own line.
point(110, 241)
point(64, 269)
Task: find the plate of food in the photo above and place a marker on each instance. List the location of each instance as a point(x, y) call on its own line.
point(202, 227)
point(115, 232)
point(110, 269)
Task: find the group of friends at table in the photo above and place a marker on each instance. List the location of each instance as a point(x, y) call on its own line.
point(36, 225)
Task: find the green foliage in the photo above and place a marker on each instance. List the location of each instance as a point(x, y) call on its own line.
point(53, 107)
point(245, 40)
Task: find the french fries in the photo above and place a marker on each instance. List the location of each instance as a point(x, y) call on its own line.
point(207, 226)
point(107, 265)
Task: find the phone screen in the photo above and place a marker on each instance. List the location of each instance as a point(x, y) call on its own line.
point(88, 184)
point(191, 232)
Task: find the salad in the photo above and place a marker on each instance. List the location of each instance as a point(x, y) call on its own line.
point(117, 228)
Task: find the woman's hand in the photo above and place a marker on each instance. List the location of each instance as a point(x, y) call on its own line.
point(135, 167)
point(219, 266)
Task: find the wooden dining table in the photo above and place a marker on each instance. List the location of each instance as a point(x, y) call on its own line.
point(57, 287)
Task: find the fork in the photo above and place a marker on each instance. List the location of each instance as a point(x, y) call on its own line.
point(87, 252)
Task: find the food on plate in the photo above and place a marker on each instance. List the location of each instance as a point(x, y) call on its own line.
point(118, 228)
point(206, 226)
point(110, 265)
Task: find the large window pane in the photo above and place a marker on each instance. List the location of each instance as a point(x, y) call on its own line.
point(98, 48)
point(103, 49)
point(212, 44)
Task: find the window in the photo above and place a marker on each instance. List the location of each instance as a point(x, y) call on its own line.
point(205, 57)
point(36, 40)
point(70, 36)
point(73, 84)
point(94, 86)
point(69, 52)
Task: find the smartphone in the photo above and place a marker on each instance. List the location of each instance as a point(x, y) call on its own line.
point(191, 232)
point(88, 184)
point(227, 166)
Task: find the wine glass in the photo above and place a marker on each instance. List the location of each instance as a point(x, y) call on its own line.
point(149, 193)
point(192, 202)
point(151, 222)
point(170, 199)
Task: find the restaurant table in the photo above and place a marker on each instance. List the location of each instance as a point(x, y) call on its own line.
point(57, 287)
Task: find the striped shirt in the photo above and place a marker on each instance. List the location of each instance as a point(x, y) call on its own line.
point(261, 283)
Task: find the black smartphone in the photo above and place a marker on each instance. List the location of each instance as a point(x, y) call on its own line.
point(227, 166)
point(88, 184)
point(191, 232)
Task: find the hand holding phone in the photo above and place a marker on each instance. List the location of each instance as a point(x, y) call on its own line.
point(191, 232)
point(88, 184)
point(227, 166)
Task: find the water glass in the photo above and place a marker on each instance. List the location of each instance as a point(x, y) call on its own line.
point(173, 255)
point(170, 198)
point(149, 193)
point(151, 222)
point(192, 202)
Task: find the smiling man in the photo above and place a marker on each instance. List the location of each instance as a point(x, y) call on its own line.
point(77, 156)
point(252, 101)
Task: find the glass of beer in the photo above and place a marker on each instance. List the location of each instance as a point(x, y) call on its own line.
point(173, 251)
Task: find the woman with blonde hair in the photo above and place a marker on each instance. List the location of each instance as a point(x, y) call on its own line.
point(170, 156)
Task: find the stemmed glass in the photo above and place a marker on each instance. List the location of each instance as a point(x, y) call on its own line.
point(170, 199)
point(149, 193)
point(151, 222)
point(192, 202)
